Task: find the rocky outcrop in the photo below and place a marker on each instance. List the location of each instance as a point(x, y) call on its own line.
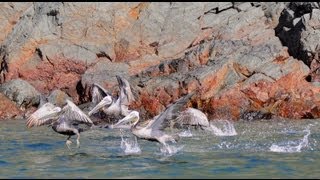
point(299, 29)
point(242, 59)
point(21, 92)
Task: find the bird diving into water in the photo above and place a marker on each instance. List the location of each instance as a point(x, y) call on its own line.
point(64, 120)
point(115, 109)
point(191, 117)
point(153, 131)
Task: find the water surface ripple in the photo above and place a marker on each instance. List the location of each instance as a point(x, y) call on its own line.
point(259, 149)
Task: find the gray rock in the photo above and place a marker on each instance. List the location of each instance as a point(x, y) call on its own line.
point(21, 92)
point(104, 72)
point(220, 19)
point(58, 98)
point(256, 78)
point(244, 6)
point(69, 51)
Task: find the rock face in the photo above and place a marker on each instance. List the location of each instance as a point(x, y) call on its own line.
point(21, 92)
point(8, 109)
point(58, 97)
point(242, 59)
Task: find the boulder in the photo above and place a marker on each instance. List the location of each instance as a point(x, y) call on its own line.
point(58, 98)
point(21, 92)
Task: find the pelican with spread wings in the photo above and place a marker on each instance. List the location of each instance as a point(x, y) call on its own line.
point(64, 120)
point(118, 107)
point(153, 131)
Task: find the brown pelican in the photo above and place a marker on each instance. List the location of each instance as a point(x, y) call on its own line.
point(153, 130)
point(118, 107)
point(64, 121)
point(191, 117)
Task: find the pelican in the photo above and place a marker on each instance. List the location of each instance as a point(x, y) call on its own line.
point(118, 107)
point(191, 117)
point(63, 121)
point(102, 96)
point(153, 130)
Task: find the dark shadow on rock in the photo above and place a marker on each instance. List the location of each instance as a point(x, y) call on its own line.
point(81, 92)
point(255, 115)
point(290, 34)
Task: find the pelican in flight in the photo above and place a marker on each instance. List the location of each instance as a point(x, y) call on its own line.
point(153, 131)
point(64, 121)
point(190, 117)
point(118, 107)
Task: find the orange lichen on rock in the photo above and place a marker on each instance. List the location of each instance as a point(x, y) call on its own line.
point(8, 109)
point(150, 104)
point(61, 74)
point(212, 81)
point(135, 12)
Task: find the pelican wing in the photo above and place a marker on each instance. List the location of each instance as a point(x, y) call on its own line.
point(126, 96)
point(44, 115)
point(98, 93)
point(72, 113)
point(192, 117)
point(162, 120)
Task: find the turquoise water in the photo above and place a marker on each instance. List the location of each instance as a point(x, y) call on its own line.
point(41, 153)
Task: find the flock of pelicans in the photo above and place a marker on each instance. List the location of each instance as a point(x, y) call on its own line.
point(113, 112)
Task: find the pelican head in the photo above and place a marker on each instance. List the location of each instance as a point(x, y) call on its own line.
point(104, 102)
point(133, 116)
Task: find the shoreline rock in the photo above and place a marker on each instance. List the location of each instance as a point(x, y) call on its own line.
point(241, 58)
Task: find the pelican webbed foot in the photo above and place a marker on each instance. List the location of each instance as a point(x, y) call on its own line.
point(68, 143)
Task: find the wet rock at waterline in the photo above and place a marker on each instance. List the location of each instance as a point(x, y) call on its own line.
point(237, 56)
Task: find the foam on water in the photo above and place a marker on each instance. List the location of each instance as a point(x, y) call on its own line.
point(169, 150)
point(290, 146)
point(226, 130)
point(186, 133)
point(130, 147)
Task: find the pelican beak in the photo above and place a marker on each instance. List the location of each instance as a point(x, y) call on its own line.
point(124, 120)
point(104, 102)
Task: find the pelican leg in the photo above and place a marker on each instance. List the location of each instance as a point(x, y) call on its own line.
point(78, 140)
point(68, 142)
point(78, 137)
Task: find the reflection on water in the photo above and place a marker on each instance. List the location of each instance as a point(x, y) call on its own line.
point(252, 153)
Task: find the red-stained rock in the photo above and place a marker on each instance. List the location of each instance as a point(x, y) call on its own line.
point(227, 53)
point(62, 74)
point(151, 105)
point(8, 109)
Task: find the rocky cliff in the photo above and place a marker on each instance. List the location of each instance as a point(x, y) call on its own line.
point(245, 60)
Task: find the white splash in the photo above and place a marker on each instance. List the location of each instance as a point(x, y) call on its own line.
point(130, 147)
point(290, 147)
point(170, 150)
point(226, 130)
point(186, 133)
